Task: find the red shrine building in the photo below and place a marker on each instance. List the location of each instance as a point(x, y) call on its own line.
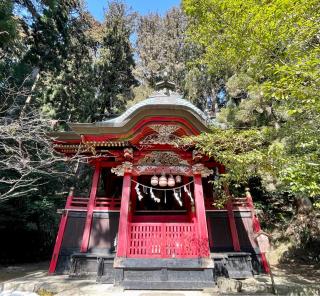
point(142, 213)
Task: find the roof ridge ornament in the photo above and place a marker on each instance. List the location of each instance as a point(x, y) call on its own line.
point(165, 87)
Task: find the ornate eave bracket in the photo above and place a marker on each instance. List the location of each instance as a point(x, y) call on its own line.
point(125, 167)
point(88, 146)
point(200, 169)
point(196, 155)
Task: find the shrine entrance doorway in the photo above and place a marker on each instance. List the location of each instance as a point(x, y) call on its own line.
point(162, 222)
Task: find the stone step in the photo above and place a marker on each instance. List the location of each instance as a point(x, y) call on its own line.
point(167, 285)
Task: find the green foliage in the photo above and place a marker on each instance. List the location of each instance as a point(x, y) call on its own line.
point(242, 153)
point(75, 67)
point(115, 63)
point(162, 47)
point(56, 62)
point(58, 91)
point(8, 27)
point(43, 292)
point(267, 54)
point(140, 93)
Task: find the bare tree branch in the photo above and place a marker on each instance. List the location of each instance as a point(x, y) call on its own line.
point(27, 158)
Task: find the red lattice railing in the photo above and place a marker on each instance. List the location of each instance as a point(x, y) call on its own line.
point(163, 240)
point(108, 202)
point(75, 202)
point(101, 203)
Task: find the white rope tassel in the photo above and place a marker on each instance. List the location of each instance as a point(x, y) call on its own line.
point(144, 189)
point(153, 196)
point(140, 196)
point(177, 197)
point(186, 190)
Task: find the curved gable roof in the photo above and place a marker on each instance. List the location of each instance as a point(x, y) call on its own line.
point(167, 107)
point(159, 101)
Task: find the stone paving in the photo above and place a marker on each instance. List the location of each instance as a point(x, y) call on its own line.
point(302, 281)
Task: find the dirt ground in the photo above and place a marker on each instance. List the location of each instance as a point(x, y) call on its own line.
point(8, 272)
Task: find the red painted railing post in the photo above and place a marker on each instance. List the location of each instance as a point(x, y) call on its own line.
point(62, 227)
point(70, 197)
point(255, 222)
point(57, 246)
point(90, 207)
point(124, 215)
point(201, 215)
point(256, 228)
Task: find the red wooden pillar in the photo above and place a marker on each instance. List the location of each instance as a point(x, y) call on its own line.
point(90, 207)
point(133, 201)
point(124, 215)
point(189, 204)
point(256, 228)
point(201, 215)
point(59, 239)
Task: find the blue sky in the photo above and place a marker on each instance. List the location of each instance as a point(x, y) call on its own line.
point(96, 7)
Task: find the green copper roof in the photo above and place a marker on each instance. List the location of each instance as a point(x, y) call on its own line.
point(157, 101)
point(160, 104)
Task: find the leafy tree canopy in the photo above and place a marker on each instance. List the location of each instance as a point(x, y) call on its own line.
point(267, 53)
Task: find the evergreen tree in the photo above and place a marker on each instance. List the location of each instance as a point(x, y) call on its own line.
point(115, 63)
point(40, 44)
point(162, 46)
point(8, 35)
point(69, 93)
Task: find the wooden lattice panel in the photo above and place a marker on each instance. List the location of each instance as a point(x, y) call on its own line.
point(145, 240)
point(181, 240)
point(162, 240)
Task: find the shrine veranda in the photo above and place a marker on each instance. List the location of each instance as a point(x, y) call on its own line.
point(148, 219)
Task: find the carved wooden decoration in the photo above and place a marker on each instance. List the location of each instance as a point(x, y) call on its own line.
point(151, 170)
point(164, 158)
point(199, 168)
point(197, 155)
point(164, 134)
point(128, 153)
point(121, 169)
